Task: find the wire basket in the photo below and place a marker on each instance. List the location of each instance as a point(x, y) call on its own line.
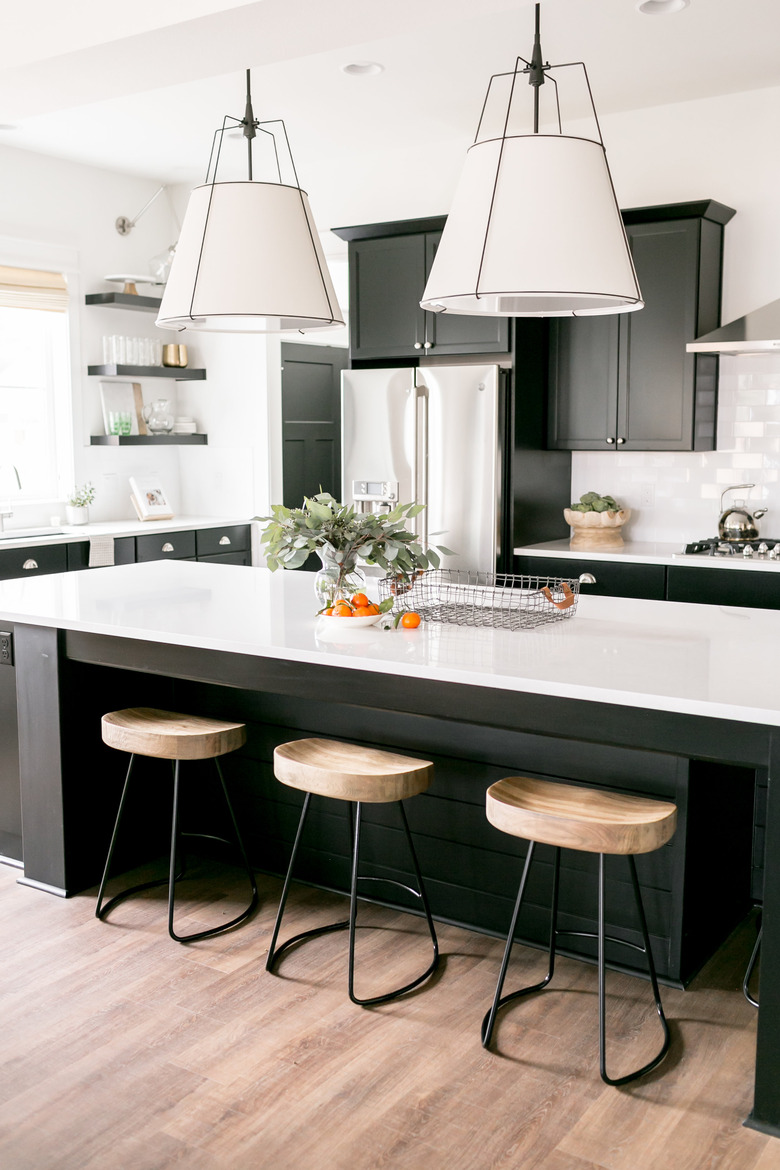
point(498, 600)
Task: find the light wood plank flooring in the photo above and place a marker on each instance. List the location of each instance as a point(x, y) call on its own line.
point(123, 1050)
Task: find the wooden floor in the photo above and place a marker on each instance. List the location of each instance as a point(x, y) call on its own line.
point(122, 1050)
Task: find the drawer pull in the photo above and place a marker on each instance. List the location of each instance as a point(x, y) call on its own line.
point(224, 540)
point(30, 564)
point(168, 547)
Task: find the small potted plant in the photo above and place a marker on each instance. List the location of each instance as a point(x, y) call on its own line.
point(596, 521)
point(341, 537)
point(77, 507)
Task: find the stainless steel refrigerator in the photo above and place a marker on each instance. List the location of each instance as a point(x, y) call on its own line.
point(429, 435)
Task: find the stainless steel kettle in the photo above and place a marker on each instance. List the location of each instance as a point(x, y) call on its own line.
point(736, 523)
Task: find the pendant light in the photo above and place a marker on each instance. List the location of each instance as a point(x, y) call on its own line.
point(249, 259)
point(534, 229)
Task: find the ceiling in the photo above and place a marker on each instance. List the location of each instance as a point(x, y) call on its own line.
point(141, 90)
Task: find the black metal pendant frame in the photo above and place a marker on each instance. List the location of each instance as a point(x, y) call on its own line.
point(275, 952)
point(500, 1001)
point(250, 126)
point(101, 911)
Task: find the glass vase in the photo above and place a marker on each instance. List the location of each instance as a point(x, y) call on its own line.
point(337, 578)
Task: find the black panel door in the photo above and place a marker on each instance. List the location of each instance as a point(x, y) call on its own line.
point(386, 281)
point(311, 421)
point(656, 378)
point(583, 381)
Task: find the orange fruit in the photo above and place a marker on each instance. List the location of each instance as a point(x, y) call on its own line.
point(359, 600)
point(328, 612)
point(366, 610)
point(341, 601)
point(342, 609)
point(410, 621)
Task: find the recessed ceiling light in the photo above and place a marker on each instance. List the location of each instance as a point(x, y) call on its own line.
point(363, 68)
point(8, 126)
point(661, 7)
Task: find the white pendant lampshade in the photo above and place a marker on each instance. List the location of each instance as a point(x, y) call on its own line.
point(249, 260)
point(534, 229)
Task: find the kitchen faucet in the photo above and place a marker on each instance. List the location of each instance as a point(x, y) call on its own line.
point(6, 515)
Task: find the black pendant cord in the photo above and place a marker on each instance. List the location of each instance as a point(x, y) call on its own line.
point(536, 69)
point(249, 124)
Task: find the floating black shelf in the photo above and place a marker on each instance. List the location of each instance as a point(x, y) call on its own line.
point(150, 440)
point(178, 373)
point(119, 300)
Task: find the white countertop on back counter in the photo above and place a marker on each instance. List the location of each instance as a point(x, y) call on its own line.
point(71, 533)
point(703, 660)
point(648, 553)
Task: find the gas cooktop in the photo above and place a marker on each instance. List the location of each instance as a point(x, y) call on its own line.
point(715, 547)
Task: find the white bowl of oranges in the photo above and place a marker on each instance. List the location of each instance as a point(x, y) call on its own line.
point(357, 611)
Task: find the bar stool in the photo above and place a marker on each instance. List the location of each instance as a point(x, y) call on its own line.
point(750, 968)
point(167, 735)
point(592, 821)
point(359, 775)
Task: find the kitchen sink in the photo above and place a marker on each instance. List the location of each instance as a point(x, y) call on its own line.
point(29, 533)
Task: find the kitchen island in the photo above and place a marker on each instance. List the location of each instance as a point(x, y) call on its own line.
point(622, 686)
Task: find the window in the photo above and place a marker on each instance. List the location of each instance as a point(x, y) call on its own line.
point(35, 416)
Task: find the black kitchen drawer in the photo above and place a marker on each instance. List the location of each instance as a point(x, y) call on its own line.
point(742, 587)
point(239, 557)
point(165, 546)
point(232, 538)
point(39, 559)
point(613, 579)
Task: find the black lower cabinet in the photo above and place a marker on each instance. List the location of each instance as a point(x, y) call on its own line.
point(33, 561)
point(613, 578)
point(740, 587)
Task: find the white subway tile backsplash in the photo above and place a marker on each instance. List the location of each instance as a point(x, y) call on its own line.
point(688, 486)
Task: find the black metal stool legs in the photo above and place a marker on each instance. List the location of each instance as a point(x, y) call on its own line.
point(101, 911)
point(499, 1001)
point(749, 973)
point(489, 1021)
point(646, 1068)
point(351, 924)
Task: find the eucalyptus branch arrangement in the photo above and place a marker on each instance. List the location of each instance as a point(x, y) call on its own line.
point(325, 525)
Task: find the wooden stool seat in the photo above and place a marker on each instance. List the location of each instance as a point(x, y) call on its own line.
point(348, 771)
point(168, 735)
point(587, 819)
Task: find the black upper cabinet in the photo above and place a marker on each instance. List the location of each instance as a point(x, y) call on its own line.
point(625, 382)
point(388, 269)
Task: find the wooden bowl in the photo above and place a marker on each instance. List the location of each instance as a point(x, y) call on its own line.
point(596, 529)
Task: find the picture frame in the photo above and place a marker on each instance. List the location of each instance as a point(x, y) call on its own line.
point(122, 400)
point(149, 498)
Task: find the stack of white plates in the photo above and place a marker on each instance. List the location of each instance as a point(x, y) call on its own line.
point(183, 425)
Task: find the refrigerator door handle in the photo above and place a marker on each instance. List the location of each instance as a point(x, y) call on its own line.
point(423, 529)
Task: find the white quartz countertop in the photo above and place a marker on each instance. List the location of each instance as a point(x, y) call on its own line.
point(72, 533)
point(704, 660)
point(649, 553)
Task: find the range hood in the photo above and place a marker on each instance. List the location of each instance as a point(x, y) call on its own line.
point(757, 332)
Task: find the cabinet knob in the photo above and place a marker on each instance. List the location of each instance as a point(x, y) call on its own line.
point(610, 439)
point(418, 345)
point(620, 441)
point(224, 540)
point(30, 564)
point(428, 345)
point(167, 547)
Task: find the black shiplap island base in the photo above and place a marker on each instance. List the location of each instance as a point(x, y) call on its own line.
point(670, 700)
